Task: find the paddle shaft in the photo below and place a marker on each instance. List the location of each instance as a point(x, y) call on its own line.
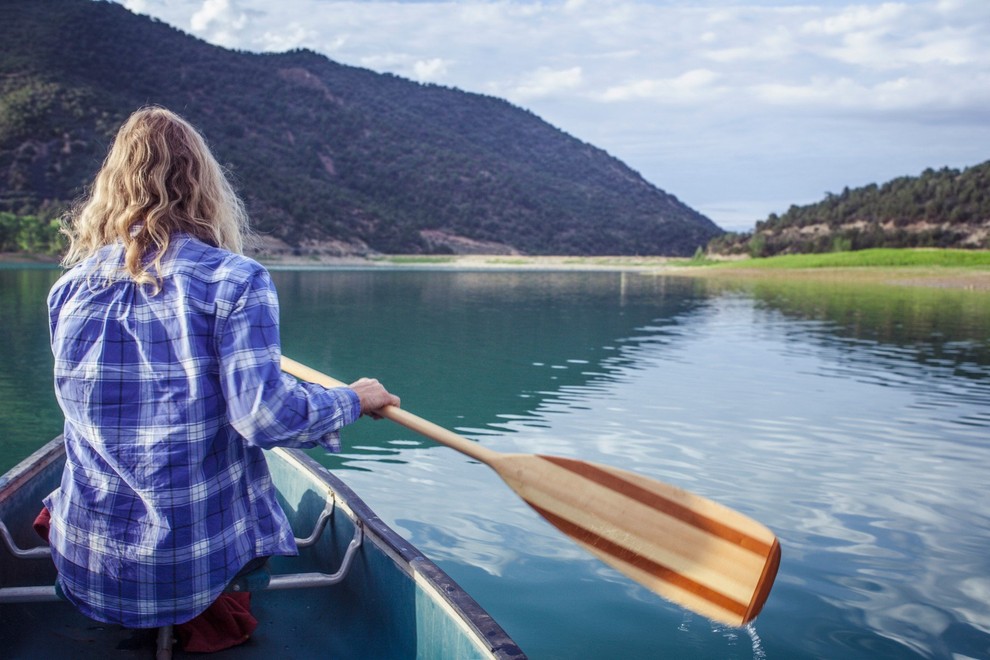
point(399, 416)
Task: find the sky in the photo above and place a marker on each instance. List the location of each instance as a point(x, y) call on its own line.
point(739, 108)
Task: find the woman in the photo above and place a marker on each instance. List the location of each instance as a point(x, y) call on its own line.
point(166, 344)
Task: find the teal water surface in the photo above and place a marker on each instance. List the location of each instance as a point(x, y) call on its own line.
point(851, 420)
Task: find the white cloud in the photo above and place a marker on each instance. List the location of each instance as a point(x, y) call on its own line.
point(545, 81)
point(293, 35)
point(431, 69)
point(689, 87)
point(211, 11)
point(857, 18)
point(222, 21)
point(136, 6)
point(689, 94)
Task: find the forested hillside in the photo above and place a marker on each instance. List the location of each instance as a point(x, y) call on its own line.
point(329, 158)
point(939, 208)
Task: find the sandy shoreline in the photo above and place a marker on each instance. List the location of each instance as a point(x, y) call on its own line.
point(943, 278)
point(25, 258)
point(479, 262)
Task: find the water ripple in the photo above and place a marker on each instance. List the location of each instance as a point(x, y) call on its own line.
point(869, 459)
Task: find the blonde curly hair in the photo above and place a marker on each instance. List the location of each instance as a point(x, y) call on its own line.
point(158, 178)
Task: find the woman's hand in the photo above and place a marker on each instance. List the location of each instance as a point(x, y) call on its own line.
point(373, 396)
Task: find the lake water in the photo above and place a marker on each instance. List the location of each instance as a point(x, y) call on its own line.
point(854, 421)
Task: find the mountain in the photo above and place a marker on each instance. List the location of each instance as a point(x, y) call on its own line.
point(939, 208)
point(329, 158)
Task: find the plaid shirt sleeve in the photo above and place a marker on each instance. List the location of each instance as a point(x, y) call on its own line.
point(266, 406)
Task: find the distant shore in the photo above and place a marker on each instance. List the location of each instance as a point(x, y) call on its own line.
point(945, 277)
point(476, 262)
point(27, 258)
point(937, 278)
point(479, 262)
point(942, 277)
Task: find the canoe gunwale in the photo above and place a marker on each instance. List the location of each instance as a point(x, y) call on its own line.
point(30, 467)
point(410, 558)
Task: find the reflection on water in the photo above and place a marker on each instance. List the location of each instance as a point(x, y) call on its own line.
point(851, 420)
point(28, 411)
point(465, 347)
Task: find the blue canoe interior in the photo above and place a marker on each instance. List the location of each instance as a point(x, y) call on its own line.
point(393, 602)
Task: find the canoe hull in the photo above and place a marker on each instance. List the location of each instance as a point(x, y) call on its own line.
point(393, 603)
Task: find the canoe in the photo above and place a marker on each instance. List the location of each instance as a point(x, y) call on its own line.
point(387, 600)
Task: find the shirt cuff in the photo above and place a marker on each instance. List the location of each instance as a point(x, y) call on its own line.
point(351, 412)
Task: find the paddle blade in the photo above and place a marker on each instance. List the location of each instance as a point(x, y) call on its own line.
point(686, 548)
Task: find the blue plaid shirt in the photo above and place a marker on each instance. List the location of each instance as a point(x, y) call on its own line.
point(169, 399)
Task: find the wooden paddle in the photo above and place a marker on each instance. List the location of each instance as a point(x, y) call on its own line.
point(691, 550)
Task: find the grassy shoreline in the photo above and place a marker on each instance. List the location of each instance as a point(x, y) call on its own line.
point(937, 268)
point(878, 258)
point(942, 268)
